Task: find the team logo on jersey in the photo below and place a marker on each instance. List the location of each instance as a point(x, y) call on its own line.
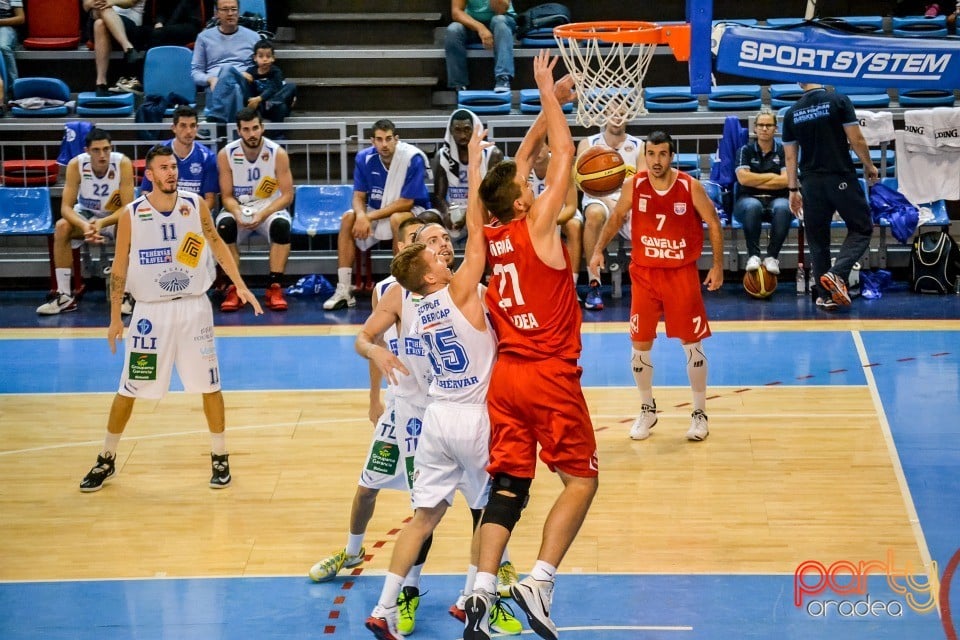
point(634, 323)
point(185, 210)
point(144, 326)
point(679, 208)
point(267, 187)
point(413, 427)
point(265, 155)
point(174, 281)
point(190, 249)
point(111, 174)
point(642, 204)
point(143, 366)
point(628, 148)
point(196, 168)
point(161, 255)
point(113, 202)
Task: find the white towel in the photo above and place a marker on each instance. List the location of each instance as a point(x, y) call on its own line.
point(396, 176)
point(449, 159)
point(925, 177)
point(946, 128)
point(918, 131)
point(877, 126)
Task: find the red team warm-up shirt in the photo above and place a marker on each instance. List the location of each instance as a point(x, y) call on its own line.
point(666, 230)
point(533, 307)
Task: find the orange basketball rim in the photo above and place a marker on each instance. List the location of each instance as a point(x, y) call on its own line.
point(677, 36)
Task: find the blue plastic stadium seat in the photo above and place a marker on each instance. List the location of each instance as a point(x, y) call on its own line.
point(938, 207)
point(734, 97)
point(49, 88)
point(256, 7)
point(116, 105)
point(25, 211)
point(687, 161)
point(484, 101)
point(539, 38)
point(166, 70)
point(865, 97)
point(746, 22)
point(866, 24)
point(783, 22)
point(876, 155)
point(920, 26)
point(784, 95)
point(318, 208)
point(925, 97)
point(670, 99)
point(530, 102)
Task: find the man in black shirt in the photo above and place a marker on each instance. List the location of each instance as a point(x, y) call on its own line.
point(822, 123)
point(762, 193)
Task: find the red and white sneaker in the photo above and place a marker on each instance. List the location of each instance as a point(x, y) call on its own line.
point(383, 623)
point(275, 299)
point(232, 301)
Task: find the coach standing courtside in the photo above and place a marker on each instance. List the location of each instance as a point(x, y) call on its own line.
point(821, 123)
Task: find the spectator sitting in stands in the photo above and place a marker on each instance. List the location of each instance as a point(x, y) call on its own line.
point(219, 57)
point(175, 22)
point(114, 21)
point(272, 96)
point(450, 170)
point(389, 186)
point(99, 183)
point(762, 174)
point(256, 188)
point(492, 22)
point(11, 16)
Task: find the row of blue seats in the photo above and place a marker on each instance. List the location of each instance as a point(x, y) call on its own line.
point(905, 26)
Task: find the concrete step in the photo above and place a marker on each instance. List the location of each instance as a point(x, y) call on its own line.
point(375, 28)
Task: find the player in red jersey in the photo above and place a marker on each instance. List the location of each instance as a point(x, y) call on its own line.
point(668, 209)
point(534, 395)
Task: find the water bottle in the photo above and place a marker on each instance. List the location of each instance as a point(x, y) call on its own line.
point(956, 285)
point(801, 280)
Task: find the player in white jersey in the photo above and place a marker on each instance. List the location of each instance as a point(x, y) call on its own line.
point(597, 210)
point(570, 219)
point(98, 183)
point(164, 240)
point(453, 450)
point(256, 187)
point(450, 170)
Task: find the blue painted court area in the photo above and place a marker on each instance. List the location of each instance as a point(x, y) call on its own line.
point(329, 362)
point(587, 607)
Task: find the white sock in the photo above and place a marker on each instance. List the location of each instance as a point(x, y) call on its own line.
point(391, 590)
point(543, 571)
point(110, 443)
point(592, 275)
point(642, 366)
point(345, 276)
point(576, 278)
point(218, 443)
point(63, 280)
point(697, 373)
point(412, 578)
point(469, 583)
point(354, 543)
point(506, 556)
point(485, 582)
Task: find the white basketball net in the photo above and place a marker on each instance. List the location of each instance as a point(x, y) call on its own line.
point(608, 77)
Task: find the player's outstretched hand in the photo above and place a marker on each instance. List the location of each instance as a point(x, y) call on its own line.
point(248, 298)
point(543, 66)
point(478, 143)
point(564, 90)
point(714, 279)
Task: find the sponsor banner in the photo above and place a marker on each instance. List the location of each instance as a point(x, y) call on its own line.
point(159, 255)
point(190, 250)
point(143, 366)
point(824, 56)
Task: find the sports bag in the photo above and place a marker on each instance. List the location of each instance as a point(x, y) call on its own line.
point(934, 263)
point(542, 16)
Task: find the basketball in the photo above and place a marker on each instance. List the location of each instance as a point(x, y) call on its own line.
point(600, 171)
point(760, 283)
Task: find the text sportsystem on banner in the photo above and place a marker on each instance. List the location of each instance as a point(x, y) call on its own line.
point(822, 55)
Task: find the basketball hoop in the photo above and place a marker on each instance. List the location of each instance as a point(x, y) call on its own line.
point(608, 61)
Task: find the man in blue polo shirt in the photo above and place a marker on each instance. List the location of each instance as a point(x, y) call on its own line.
point(389, 186)
point(818, 132)
point(196, 164)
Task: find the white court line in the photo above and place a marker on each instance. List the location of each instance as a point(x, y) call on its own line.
point(928, 564)
point(528, 632)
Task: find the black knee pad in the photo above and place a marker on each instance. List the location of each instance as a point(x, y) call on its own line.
point(508, 497)
point(227, 228)
point(280, 231)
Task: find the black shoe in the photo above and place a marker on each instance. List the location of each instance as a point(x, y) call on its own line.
point(94, 480)
point(221, 471)
point(103, 91)
point(131, 56)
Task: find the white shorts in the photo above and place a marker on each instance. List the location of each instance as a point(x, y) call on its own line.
point(109, 233)
point(589, 200)
point(163, 334)
point(409, 421)
point(385, 467)
point(453, 454)
point(380, 230)
point(263, 229)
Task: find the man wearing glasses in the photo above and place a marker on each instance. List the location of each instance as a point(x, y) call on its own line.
point(762, 193)
point(220, 54)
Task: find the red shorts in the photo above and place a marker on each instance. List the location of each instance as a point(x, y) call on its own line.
point(539, 401)
point(672, 293)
